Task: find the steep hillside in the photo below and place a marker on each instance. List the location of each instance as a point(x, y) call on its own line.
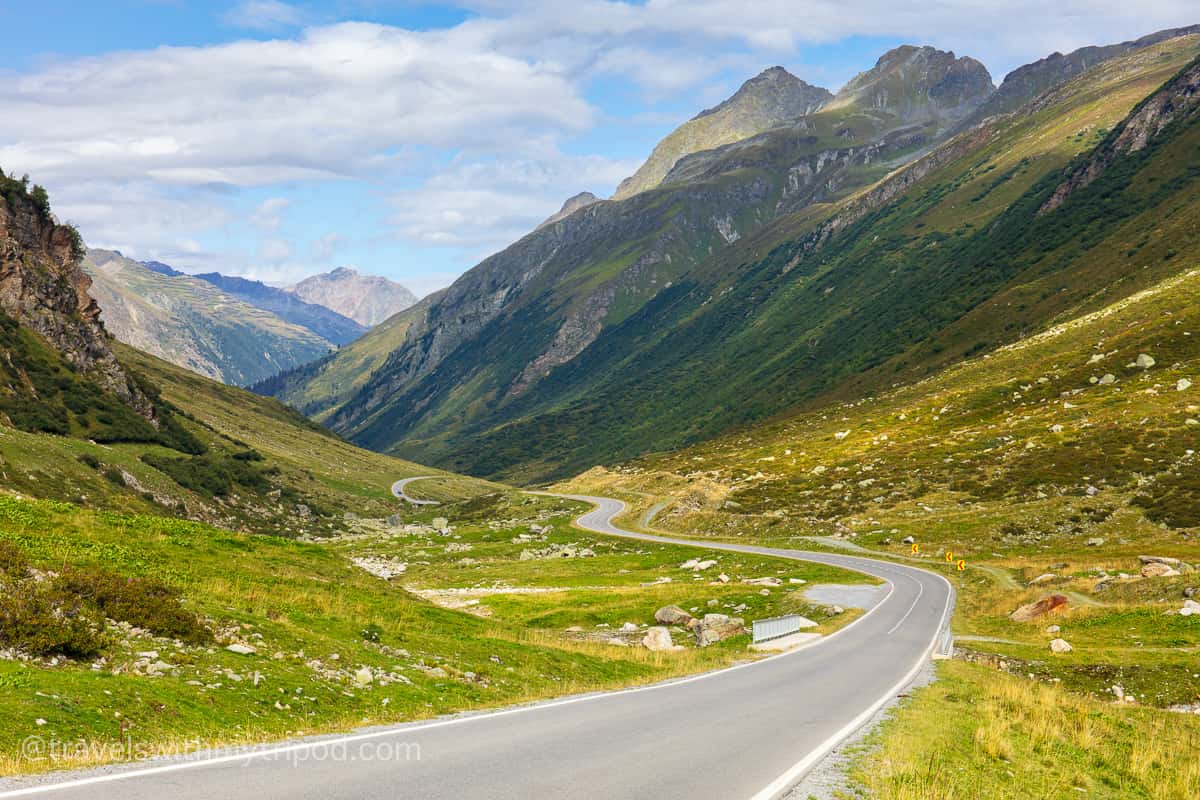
point(769, 99)
point(366, 299)
point(324, 322)
point(528, 373)
point(317, 389)
point(489, 349)
point(192, 323)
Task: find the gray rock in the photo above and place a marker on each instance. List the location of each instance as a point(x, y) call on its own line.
point(1060, 646)
point(672, 615)
point(718, 627)
point(241, 649)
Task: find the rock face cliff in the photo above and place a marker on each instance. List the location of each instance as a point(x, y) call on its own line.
point(366, 299)
point(1176, 103)
point(573, 204)
point(771, 98)
point(43, 288)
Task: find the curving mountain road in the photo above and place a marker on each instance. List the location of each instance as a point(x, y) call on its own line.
point(399, 486)
point(749, 731)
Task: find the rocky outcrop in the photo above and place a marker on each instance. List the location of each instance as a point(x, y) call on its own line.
point(713, 628)
point(1039, 609)
point(1177, 101)
point(43, 288)
point(573, 204)
point(324, 322)
point(767, 100)
point(366, 299)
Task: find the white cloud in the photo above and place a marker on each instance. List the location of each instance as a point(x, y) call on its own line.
point(274, 251)
point(324, 248)
point(269, 213)
point(339, 101)
point(480, 207)
point(264, 15)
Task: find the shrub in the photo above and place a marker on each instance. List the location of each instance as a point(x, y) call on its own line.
point(211, 474)
point(143, 602)
point(114, 476)
point(89, 460)
point(371, 633)
point(42, 619)
point(13, 562)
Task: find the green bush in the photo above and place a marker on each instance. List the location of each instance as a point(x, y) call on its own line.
point(89, 460)
point(371, 633)
point(114, 476)
point(211, 474)
point(40, 618)
point(13, 562)
point(143, 602)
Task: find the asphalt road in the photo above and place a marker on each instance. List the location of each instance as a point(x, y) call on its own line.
point(746, 732)
point(398, 491)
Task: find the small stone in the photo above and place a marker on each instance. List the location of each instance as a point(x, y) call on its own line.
point(629, 627)
point(241, 649)
point(1040, 579)
point(1182, 385)
point(1095, 541)
point(1107, 380)
point(39, 722)
point(364, 677)
point(1053, 629)
point(908, 540)
point(672, 615)
point(1145, 361)
point(1060, 646)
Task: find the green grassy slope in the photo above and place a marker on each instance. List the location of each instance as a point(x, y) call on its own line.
point(264, 468)
point(959, 263)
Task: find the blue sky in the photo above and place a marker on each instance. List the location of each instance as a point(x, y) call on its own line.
point(408, 139)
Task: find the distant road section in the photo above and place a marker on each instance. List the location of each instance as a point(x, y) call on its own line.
point(748, 732)
point(398, 490)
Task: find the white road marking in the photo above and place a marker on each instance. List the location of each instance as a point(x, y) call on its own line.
point(408, 729)
point(921, 591)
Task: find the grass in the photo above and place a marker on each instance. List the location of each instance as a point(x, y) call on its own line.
point(316, 621)
point(975, 733)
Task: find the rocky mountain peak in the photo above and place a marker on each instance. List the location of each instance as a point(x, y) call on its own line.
point(768, 100)
point(912, 81)
point(777, 92)
point(573, 204)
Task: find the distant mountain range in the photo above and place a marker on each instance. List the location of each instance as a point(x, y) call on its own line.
point(232, 329)
point(787, 246)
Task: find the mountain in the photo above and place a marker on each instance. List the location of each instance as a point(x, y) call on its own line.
point(481, 350)
point(775, 271)
point(366, 299)
point(162, 269)
point(573, 204)
point(1028, 81)
point(765, 101)
point(192, 323)
point(327, 324)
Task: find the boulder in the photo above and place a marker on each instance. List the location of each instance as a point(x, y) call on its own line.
point(1049, 576)
point(658, 640)
point(672, 615)
point(1182, 385)
point(763, 582)
point(1190, 608)
point(908, 540)
point(717, 627)
point(1041, 608)
point(1053, 629)
point(1060, 646)
point(364, 677)
point(1095, 541)
point(1158, 570)
point(1145, 361)
point(1170, 562)
point(628, 627)
point(241, 649)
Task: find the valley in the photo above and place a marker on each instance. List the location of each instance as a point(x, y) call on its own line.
point(909, 368)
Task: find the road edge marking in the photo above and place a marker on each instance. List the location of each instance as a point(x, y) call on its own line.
point(408, 728)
